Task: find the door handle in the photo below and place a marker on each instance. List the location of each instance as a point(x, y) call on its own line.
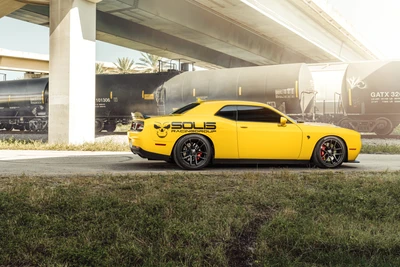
point(243, 127)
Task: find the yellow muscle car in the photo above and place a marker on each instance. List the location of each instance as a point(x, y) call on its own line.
point(207, 132)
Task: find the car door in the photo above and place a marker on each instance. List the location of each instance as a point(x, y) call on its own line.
point(261, 136)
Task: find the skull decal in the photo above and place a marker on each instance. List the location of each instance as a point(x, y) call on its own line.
point(162, 129)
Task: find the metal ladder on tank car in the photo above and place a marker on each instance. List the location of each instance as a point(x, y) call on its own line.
point(161, 109)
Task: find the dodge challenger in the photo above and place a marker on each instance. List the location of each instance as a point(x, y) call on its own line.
point(210, 132)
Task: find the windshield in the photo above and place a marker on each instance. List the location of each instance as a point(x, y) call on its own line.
point(185, 108)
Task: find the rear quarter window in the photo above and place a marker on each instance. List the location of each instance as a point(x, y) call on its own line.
point(228, 112)
point(185, 108)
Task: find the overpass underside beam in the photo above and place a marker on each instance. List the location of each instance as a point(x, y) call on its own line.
point(187, 21)
point(9, 6)
point(23, 64)
point(113, 29)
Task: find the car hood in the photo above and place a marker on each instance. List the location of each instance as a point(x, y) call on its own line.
point(326, 128)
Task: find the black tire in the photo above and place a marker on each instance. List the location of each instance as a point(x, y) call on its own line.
point(329, 152)
point(110, 127)
point(193, 152)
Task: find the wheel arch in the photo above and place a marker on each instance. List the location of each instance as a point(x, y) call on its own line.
point(344, 142)
point(208, 138)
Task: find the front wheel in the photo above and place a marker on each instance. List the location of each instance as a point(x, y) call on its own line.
point(193, 152)
point(329, 152)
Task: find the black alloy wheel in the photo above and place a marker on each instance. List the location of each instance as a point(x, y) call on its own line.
point(329, 152)
point(193, 152)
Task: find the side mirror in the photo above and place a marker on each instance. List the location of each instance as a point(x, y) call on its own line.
point(283, 122)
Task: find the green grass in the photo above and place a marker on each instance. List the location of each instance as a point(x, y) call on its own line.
point(380, 149)
point(276, 219)
point(396, 130)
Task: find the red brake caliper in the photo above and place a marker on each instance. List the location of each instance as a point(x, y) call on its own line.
point(323, 147)
point(199, 155)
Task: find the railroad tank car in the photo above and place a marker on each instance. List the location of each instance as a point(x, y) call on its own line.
point(287, 87)
point(24, 103)
point(371, 97)
point(117, 95)
point(328, 80)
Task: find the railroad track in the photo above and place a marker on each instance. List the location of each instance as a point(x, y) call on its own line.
point(16, 132)
point(373, 136)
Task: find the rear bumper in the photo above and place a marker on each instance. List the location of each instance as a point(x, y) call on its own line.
point(147, 155)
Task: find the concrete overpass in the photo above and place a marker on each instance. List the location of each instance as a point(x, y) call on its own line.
point(211, 33)
point(218, 33)
point(23, 61)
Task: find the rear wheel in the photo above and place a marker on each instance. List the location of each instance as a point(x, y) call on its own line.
point(329, 152)
point(193, 152)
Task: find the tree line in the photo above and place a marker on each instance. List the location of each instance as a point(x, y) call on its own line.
point(147, 64)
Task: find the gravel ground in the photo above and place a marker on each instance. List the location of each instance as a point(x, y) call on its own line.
point(123, 139)
point(377, 141)
point(29, 136)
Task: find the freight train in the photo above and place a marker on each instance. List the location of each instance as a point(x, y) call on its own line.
point(363, 96)
point(24, 103)
point(367, 100)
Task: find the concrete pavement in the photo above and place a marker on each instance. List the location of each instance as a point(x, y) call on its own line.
point(62, 163)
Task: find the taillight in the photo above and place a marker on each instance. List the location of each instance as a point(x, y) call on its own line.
point(137, 126)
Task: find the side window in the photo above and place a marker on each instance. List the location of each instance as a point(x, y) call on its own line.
point(227, 112)
point(257, 114)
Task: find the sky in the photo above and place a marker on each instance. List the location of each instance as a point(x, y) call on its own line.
point(22, 36)
point(375, 21)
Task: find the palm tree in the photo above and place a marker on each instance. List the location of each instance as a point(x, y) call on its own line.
point(124, 65)
point(149, 63)
point(99, 68)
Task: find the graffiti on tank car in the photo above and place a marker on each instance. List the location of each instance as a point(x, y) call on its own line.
point(356, 82)
point(193, 127)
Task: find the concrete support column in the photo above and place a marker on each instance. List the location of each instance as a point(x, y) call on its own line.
point(72, 71)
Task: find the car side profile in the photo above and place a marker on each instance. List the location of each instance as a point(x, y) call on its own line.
point(217, 131)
